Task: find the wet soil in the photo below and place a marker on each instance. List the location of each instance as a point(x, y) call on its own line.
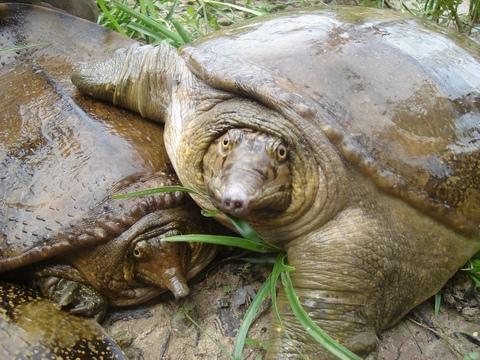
point(204, 325)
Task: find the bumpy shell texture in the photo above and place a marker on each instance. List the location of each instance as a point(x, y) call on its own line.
point(399, 99)
point(32, 327)
point(61, 155)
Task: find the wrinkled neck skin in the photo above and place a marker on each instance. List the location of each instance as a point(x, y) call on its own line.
point(152, 81)
point(316, 169)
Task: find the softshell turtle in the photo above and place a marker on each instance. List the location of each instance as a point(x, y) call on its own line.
point(349, 136)
point(32, 327)
point(62, 157)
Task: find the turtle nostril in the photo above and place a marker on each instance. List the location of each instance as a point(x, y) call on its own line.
point(235, 202)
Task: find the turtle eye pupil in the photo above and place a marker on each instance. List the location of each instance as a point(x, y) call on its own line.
point(282, 152)
point(136, 253)
point(225, 142)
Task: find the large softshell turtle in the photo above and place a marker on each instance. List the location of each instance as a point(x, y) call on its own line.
point(350, 137)
point(32, 327)
point(62, 157)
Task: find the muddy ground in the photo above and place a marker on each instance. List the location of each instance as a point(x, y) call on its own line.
point(204, 325)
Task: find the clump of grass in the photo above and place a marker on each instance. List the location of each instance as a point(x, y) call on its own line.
point(179, 22)
point(251, 240)
point(176, 22)
point(473, 269)
point(448, 13)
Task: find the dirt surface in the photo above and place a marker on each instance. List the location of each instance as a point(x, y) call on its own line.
point(201, 326)
point(165, 329)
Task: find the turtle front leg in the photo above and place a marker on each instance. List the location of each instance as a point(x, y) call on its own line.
point(140, 78)
point(63, 285)
point(360, 273)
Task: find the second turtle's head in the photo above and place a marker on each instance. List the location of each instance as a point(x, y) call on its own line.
point(248, 172)
point(162, 264)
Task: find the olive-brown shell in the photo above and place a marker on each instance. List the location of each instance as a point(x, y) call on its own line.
point(398, 98)
point(62, 156)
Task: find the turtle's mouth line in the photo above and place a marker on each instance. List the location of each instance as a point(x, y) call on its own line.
point(171, 282)
point(253, 207)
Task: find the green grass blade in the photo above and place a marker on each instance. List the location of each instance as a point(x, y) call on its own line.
point(210, 213)
point(244, 229)
point(248, 319)
point(404, 6)
point(472, 356)
point(171, 11)
point(222, 240)
point(184, 34)
point(236, 7)
point(222, 347)
point(22, 47)
point(147, 192)
point(155, 25)
point(108, 14)
point(145, 31)
point(203, 8)
point(276, 272)
point(473, 269)
point(438, 302)
point(318, 334)
point(278, 267)
point(143, 8)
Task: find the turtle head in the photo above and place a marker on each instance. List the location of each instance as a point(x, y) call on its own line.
point(161, 264)
point(248, 172)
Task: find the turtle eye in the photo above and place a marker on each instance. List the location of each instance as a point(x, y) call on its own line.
point(225, 143)
point(281, 152)
point(140, 250)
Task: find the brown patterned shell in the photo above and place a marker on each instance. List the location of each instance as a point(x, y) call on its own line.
point(62, 155)
point(32, 327)
point(400, 99)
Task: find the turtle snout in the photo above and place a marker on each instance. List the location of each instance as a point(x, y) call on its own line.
point(235, 201)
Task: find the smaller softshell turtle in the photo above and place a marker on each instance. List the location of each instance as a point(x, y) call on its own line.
point(349, 136)
point(62, 157)
point(32, 327)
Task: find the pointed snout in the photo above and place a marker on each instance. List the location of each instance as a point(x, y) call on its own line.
point(177, 284)
point(235, 200)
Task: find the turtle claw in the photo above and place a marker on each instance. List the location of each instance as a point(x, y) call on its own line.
point(78, 298)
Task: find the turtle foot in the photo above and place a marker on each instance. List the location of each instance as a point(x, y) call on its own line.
point(78, 298)
point(291, 341)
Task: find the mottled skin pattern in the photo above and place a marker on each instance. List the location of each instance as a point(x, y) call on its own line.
point(62, 157)
point(381, 176)
point(31, 327)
